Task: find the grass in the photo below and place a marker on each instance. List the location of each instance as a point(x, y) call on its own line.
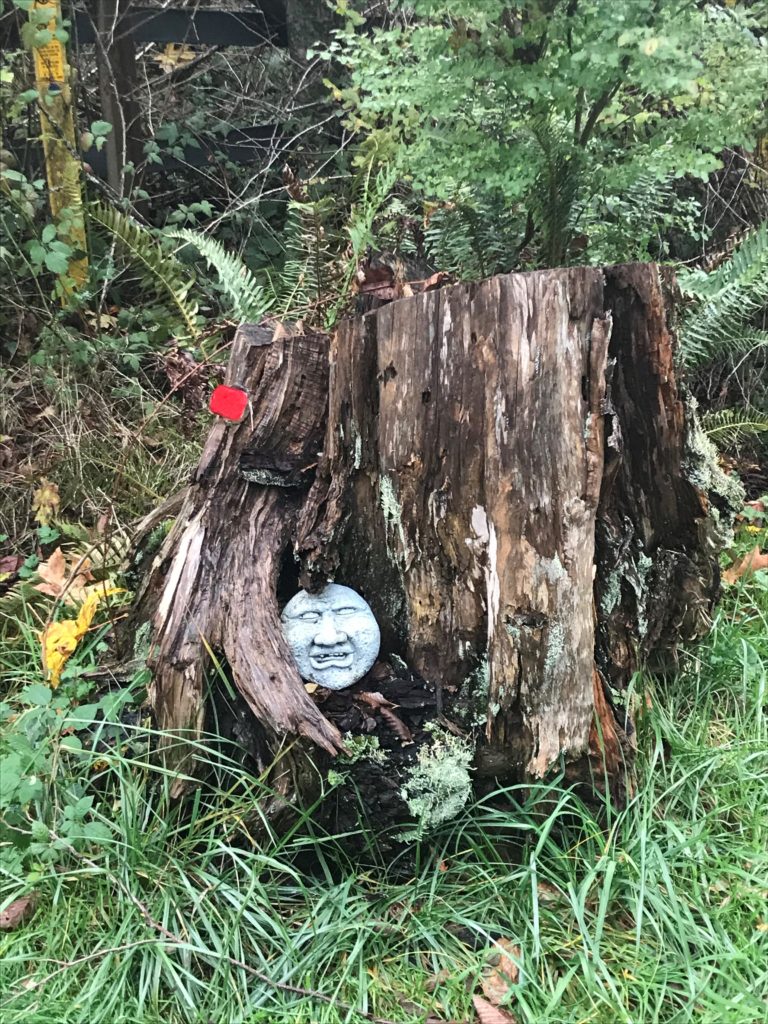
point(95, 434)
point(654, 914)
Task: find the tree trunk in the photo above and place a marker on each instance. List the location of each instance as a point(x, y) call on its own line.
point(118, 85)
point(506, 478)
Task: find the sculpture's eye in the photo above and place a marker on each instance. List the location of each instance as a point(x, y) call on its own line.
point(345, 611)
point(309, 616)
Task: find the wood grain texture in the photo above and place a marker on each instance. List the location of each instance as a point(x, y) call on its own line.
point(468, 425)
point(503, 476)
point(213, 585)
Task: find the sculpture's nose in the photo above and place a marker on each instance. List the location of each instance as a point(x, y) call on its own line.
point(328, 635)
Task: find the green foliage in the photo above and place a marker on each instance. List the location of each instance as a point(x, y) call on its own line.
point(548, 110)
point(247, 298)
point(160, 270)
point(150, 910)
point(729, 426)
point(724, 344)
point(729, 303)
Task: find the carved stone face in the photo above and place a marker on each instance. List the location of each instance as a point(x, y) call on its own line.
point(333, 636)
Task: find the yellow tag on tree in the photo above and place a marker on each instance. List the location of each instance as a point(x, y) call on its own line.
point(62, 165)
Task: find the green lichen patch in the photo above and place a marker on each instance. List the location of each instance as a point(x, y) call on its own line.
point(472, 703)
point(702, 469)
point(555, 645)
point(390, 506)
point(439, 784)
point(360, 747)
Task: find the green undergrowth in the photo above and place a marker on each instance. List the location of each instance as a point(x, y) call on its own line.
point(149, 911)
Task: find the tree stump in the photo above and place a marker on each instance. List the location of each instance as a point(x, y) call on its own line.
point(505, 471)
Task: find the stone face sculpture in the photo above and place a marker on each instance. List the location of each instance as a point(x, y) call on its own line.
point(333, 635)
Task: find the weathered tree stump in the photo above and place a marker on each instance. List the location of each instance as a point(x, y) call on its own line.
point(506, 475)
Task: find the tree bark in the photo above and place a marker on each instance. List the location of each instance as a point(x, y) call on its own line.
point(505, 477)
point(213, 585)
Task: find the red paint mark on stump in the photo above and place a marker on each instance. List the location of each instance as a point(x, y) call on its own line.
point(229, 402)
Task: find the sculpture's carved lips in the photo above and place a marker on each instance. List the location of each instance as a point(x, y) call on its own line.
point(331, 659)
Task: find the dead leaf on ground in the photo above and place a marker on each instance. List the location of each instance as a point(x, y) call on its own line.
point(377, 700)
point(488, 1014)
point(435, 981)
point(46, 501)
point(55, 574)
point(18, 912)
point(753, 561)
point(501, 971)
point(10, 564)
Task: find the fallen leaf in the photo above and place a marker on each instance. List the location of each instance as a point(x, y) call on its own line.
point(18, 912)
point(749, 563)
point(488, 1014)
point(60, 639)
point(45, 502)
point(56, 573)
point(435, 981)
point(501, 972)
point(10, 564)
point(397, 725)
point(374, 699)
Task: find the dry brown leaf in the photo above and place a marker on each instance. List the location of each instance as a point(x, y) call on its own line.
point(488, 1014)
point(10, 564)
point(501, 972)
point(397, 725)
point(45, 502)
point(18, 912)
point(374, 699)
point(751, 562)
point(55, 574)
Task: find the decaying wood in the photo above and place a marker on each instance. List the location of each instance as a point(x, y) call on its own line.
point(504, 476)
point(465, 481)
point(474, 464)
point(213, 584)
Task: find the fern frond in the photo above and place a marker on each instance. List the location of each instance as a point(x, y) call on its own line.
point(745, 268)
point(731, 299)
point(729, 426)
point(248, 299)
point(718, 330)
point(159, 267)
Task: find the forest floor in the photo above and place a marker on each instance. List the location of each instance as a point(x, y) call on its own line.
point(118, 906)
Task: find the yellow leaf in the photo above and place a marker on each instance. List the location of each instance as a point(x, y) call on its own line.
point(45, 502)
point(59, 641)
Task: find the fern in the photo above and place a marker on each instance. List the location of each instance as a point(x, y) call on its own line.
point(723, 325)
point(160, 268)
point(556, 190)
point(247, 297)
point(307, 273)
point(746, 267)
point(730, 426)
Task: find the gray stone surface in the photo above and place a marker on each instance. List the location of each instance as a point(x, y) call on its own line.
point(333, 635)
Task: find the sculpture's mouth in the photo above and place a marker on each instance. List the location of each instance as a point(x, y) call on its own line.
point(331, 659)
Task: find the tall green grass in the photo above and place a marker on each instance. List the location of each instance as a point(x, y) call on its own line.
point(657, 913)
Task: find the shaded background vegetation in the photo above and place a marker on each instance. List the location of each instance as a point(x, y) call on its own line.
point(392, 141)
